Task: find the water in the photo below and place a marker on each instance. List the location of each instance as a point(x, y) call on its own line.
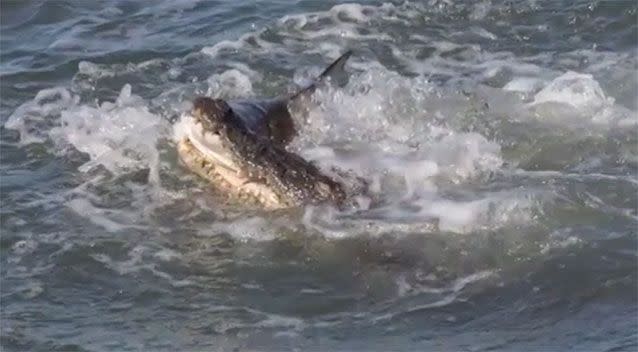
point(499, 138)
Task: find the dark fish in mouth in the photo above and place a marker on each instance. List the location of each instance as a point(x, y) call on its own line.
point(240, 148)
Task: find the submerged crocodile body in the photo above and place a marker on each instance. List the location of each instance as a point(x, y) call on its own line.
point(240, 148)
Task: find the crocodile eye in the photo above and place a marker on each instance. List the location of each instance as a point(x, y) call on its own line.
point(323, 187)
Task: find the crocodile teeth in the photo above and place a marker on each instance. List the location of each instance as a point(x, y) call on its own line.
point(209, 144)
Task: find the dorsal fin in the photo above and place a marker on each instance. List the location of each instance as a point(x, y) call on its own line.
point(333, 69)
point(271, 118)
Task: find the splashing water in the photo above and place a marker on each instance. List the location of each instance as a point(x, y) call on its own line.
point(498, 141)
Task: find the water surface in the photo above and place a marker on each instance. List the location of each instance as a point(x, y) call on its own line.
point(499, 138)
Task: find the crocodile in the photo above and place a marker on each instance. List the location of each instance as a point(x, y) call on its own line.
point(240, 147)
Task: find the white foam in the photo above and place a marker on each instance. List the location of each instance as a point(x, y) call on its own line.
point(260, 320)
point(560, 243)
point(465, 155)
point(109, 219)
point(523, 84)
point(352, 11)
point(493, 211)
point(247, 228)
point(133, 264)
point(250, 40)
point(24, 247)
point(446, 295)
point(408, 136)
point(485, 33)
point(579, 96)
point(389, 124)
point(388, 132)
point(167, 255)
point(578, 90)
point(480, 10)
point(138, 260)
point(34, 118)
point(94, 70)
point(231, 83)
point(119, 136)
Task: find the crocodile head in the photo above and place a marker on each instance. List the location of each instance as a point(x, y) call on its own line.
point(246, 167)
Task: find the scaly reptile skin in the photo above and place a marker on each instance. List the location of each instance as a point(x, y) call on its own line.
point(262, 172)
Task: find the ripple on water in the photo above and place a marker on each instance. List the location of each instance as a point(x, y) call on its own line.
point(498, 139)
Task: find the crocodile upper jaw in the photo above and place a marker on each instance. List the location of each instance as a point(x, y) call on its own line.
point(209, 144)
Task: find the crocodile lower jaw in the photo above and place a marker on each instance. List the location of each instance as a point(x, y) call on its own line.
point(227, 180)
